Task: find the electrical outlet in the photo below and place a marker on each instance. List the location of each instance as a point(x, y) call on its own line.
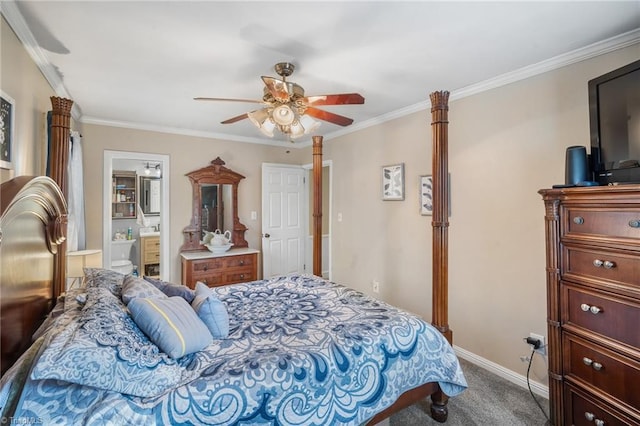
point(375, 286)
point(542, 350)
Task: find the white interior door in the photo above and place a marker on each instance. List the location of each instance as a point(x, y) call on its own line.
point(283, 219)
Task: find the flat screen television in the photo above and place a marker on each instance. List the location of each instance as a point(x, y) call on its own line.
point(614, 119)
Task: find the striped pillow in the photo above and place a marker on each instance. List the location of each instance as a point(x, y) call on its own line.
point(171, 324)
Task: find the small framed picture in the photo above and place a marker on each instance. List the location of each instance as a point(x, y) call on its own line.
point(426, 195)
point(7, 126)
point(393, 182)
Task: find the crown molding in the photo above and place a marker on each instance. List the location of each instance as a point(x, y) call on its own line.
point(10, 11)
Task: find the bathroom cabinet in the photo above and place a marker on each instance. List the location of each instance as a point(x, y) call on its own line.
point(123, 194)
point(150, 256)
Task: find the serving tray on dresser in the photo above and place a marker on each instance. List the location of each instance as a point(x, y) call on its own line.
point(593, 304)
point(234, 266)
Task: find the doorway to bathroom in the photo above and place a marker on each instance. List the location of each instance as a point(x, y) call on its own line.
point(136, 213)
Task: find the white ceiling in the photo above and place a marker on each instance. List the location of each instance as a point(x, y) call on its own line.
point(139, 64)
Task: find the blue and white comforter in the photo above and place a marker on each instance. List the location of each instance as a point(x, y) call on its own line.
point(301, 351)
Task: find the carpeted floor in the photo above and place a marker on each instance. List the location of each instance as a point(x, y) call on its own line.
point(489, 400)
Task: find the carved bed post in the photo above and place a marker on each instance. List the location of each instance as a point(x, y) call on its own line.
point(58, 162)
point(317, 205)
point(440, 222)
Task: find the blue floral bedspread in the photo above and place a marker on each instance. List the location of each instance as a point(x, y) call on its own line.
point(301, 351)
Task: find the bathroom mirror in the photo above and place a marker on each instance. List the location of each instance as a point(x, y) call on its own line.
point(215, 205)
point(149, 195)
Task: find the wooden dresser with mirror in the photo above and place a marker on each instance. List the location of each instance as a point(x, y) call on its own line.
point(593, 304)
point(215, 206)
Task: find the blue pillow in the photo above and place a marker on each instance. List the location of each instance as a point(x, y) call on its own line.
point(105, 349)
point(135, 287)
point(211, 311)
point(171, 289)
point(171, 324)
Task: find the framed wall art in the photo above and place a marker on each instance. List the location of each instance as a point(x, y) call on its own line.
point(393, 182)
point(426, 195)
point(7, 126)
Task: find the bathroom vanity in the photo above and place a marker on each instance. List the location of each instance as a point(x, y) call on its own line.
point(150, 255)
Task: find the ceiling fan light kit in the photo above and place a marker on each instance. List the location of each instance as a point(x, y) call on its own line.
point(288, 109)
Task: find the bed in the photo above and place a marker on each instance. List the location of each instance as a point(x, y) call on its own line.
point(297, 349)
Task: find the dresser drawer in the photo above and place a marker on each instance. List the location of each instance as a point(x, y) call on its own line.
point(151, 243)
point(246, 261)
point(583, 409)
point(601, 265)
point(609, 372)
point(206, 266)
point(151, 257)
point(589, 311)
point(601, 222)
point(211, 280)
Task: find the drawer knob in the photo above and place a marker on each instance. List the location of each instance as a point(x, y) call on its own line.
point(599, 422)
point(606, 263)
point(635, 223)
point(587, 361)
point(241, 276)
point(578, 220)
point(242, 262)
point(205, 268)
point(597, 366)
point(589, 416)
point(588, 308)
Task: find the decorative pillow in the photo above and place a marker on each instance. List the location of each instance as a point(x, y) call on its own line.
point(171, 289)
point(98, 277)
point(171, 324)
point(211, 311)
point(105, 349)
point(135, 287)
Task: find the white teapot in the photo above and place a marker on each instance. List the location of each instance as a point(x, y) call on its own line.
point(217, 238)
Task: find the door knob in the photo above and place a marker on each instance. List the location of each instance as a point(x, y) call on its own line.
point(266, 235)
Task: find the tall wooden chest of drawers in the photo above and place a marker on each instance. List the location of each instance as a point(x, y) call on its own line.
point(234, 266)
point(593, 304)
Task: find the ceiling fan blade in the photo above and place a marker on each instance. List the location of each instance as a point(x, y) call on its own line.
point(336, 99)
point(234, 119)
point(278, 88)
point(253, 101)
point(329, 116)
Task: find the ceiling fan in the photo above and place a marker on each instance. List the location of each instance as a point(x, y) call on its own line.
point(288, 109)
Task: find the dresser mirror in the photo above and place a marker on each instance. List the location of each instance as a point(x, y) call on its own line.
point(215, 205)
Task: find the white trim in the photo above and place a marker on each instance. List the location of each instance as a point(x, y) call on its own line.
point(107, 232)
point(17, 23)
point(19, 26)
point(500, 371)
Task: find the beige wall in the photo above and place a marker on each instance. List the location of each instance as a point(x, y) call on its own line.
point(21, 79)
point(186, 153)
point(504, 145)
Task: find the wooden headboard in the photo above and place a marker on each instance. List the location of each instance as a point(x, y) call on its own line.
point(33, 226)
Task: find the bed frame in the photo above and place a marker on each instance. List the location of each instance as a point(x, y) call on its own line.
point(32, 252)
point(32, 228)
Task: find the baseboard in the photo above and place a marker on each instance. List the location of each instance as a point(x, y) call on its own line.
point(505, 373)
